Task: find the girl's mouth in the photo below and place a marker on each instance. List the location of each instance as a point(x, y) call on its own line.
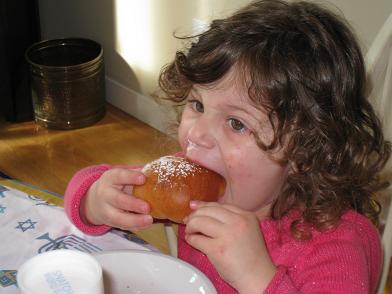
point(193, 153)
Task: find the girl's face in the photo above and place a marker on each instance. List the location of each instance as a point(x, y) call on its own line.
point(216, 131)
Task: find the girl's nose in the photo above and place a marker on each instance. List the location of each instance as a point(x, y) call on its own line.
point(202, 134)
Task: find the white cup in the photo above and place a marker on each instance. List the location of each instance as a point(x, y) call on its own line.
point(61, 272)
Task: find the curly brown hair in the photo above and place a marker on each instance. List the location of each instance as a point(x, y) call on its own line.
point(302, 64)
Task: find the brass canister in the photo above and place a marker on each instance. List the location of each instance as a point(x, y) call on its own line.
point(68, 82)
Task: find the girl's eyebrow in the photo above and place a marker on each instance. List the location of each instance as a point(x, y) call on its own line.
point(229, 107)
point(236, 108)
point(245, 111)
point(195, 92)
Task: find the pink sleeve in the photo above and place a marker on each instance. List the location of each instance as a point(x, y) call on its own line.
point(76, 190)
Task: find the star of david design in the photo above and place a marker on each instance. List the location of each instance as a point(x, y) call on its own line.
point(2, 190)
point(26, 225)
point(2, 208)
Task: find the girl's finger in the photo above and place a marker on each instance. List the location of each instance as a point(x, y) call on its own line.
point(196, 204)
point(121, 176)
point(208, 226)
point(130, 203)
point(200, 242)
point(129, 221)
point(215, 210)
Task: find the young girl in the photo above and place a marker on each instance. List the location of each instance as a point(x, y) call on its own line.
point(273, 100)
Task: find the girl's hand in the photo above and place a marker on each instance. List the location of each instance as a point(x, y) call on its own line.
point(109, 201)
point(232, 240)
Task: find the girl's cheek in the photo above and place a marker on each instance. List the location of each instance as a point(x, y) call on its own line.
point(186, 124)
point(182, 136)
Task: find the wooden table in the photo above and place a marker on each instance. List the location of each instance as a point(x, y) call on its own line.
point(48, 158)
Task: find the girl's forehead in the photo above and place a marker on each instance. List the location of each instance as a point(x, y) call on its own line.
point(230, 88)
point(222, 94)
point(231, 82)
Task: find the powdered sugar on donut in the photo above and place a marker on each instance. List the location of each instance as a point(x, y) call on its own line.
point(168, 167)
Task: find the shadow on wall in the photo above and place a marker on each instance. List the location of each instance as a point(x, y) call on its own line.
point(90, 19)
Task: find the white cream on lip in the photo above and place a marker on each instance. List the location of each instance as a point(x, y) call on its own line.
point(191, 146)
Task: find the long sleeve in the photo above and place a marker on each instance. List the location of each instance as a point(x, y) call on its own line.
point(76, 190)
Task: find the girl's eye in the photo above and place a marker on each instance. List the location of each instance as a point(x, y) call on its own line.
point(197, 106)
point(237, 125)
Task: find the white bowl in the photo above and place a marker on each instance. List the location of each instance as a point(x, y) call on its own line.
point(146, 272)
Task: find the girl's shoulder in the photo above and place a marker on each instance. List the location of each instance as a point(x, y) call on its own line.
point(355, 223)
point(353, 246)
point(348, 256)
point(353, 229)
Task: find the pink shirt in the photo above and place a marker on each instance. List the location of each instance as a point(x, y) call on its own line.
point(344, 260)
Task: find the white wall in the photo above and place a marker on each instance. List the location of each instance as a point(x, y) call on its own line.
point(365, 16)
point(137, 37)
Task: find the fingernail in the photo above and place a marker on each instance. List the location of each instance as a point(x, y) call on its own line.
point(145, 208)
point(193, 204)
point(140, 179)
point(147, 219)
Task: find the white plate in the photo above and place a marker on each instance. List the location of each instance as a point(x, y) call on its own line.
point(146, 272)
